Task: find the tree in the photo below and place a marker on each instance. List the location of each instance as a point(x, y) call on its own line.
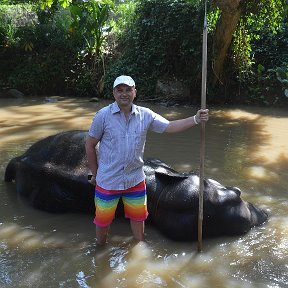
point(238, 23)
point(90, 17)
point(226, 26)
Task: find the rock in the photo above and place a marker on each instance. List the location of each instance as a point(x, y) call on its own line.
point(94, 99)
point(172, 88)
point(11, 93)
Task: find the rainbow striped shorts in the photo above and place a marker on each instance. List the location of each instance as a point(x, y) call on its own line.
point(106, 201)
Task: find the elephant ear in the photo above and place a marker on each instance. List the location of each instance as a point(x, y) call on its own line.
point(169, 174)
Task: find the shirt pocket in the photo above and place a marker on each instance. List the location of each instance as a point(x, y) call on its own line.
point(140, 138)
point(140, 132)
point(115, 144)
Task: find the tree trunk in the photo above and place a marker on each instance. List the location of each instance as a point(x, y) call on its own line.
point(226, 26)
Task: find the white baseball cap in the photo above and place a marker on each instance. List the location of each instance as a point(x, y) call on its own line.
point(123, 79)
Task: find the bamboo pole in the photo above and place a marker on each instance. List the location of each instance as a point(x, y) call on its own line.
point(202, 148)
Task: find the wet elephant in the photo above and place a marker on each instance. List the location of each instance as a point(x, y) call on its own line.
point(52, 175)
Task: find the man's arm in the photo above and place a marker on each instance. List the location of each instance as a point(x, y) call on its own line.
point(90, 146)
point(183, 124)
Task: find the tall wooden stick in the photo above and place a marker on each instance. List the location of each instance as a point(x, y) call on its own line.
point(202, 149)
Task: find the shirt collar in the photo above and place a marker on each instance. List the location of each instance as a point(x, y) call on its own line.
point(115, 108)
point(135, 109)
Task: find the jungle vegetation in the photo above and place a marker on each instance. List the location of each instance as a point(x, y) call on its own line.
point(77, 47)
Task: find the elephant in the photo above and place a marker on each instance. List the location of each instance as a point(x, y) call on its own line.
point(52, 176)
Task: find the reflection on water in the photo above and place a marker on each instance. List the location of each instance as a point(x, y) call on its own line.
point(245, 147)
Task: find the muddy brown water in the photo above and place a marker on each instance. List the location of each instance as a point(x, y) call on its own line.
point(245, 147)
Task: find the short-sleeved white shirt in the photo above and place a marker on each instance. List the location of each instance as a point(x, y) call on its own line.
point(121, 145)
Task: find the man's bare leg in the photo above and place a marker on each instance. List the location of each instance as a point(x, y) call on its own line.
point(101, 235)
point(137, 229)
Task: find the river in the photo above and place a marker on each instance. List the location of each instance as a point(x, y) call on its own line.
point(245, 147)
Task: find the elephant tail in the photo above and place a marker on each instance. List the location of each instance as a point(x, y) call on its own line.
point(10, 171)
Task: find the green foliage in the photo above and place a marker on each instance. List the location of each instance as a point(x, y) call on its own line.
point(90, 20)
point(258, 17)
point(269, 86)
point(48, 3)
point(28, 77)
point(165, 39)
point(261, 22)
point(38, 58)
point(12, 17)
point(62, 50)
point(43, 70)
point(50, 55)
point(123, 17)
point(282, 76)
point(84, 83)
point(267, 80)
point(90, 17)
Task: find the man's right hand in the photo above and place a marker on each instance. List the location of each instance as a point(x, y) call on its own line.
point(92, 180)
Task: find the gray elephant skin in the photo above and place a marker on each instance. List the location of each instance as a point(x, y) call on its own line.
point(52, 175)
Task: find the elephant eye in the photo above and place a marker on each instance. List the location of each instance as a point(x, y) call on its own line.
point(226, 195)
point(236, 190)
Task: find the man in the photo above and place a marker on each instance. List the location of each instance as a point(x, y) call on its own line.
point(120, 129)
